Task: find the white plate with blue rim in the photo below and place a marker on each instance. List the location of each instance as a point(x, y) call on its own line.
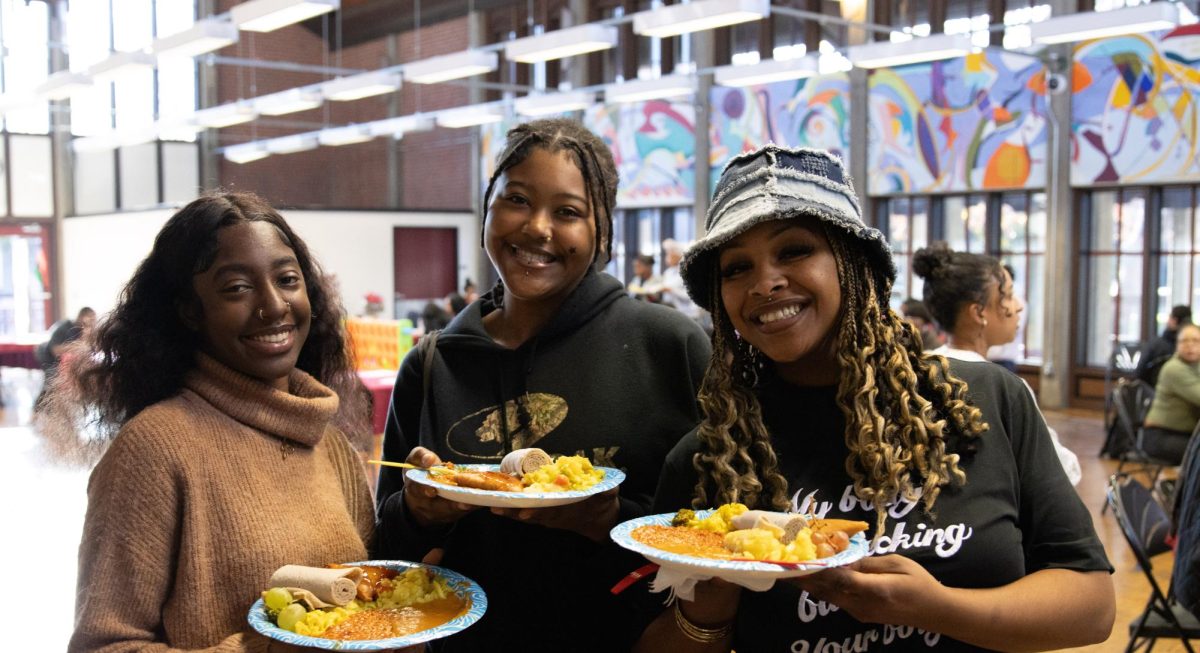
point(466, 589)
point(731, 570)
point(496, 499)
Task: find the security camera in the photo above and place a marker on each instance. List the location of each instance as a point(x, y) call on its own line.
point(1056, 83)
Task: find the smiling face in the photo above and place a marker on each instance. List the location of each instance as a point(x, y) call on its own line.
point(539, 231)
point(253, 314)
point(1002, 311)
point(1187, 344)
point(780, 288)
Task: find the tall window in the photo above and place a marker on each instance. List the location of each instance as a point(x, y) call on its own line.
point(25, 39)
point(1023, 246)
point(907, 231)
point(964, 226)
point(1178, 253)
point(1113, 261)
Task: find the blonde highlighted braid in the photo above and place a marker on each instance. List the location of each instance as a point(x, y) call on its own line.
point(902, 409)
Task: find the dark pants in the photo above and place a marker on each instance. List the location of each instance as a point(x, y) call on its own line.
point(1164, 444)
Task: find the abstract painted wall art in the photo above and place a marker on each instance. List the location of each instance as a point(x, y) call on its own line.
point(654, 146)
point(974, 123)
point(1134, 117)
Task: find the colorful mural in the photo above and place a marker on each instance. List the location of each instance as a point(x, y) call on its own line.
point(1134, 114)
point(654, 146)
point(977, 122)
point(812, 112)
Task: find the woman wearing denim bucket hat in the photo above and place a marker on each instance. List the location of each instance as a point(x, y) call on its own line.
point(818, 399)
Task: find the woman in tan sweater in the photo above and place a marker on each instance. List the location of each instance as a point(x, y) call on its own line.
point(220, 372)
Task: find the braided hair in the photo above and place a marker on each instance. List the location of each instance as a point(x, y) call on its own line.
point(591, 155)
point(907, 418)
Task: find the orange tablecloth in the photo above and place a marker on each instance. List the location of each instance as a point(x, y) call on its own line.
point(380, 383)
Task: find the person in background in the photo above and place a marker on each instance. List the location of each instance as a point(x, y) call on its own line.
point(50, 352)
point(917, 314)
point(1006, 354)
point(971, 296)
point(644, 285)
point(1154, 353)
point(1176, 407)
point(435, 316)
point(674, 293)
point(219, 372)
point(1185, 571)
point(816, 386)
point(557, 356)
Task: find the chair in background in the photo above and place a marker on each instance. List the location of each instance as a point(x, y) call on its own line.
point(1145, 526)
point(1131, 401)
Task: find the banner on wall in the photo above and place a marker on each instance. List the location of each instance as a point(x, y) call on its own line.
point(974, 123)
point(813, 112)
point(654, 146)
point(1134, 117)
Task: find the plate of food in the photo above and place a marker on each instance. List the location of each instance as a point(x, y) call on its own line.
point(526, 478)
point(734, 543)
point(373, 605)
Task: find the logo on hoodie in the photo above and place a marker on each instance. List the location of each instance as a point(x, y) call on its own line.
point(529, 418)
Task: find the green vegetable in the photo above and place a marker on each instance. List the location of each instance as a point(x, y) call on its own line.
point(683, 518)
point(277, 598)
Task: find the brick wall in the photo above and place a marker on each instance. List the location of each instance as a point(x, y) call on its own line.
point(434, 167)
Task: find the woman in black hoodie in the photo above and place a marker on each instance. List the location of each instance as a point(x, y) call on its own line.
point(556, 356)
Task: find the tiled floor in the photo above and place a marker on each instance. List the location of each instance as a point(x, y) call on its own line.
point(44, 499)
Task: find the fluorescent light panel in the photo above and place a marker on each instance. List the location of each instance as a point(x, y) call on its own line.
point(347, 135)
point(204, 36)
point(477, 114)
point(246, 152)
point(400, 125)
point(119, 64)
point(270, 15)
point(1099, 24)
point(289, 101)
point(450, 66)
point(679, 19)
point(359, 86)
point(552, 103)
point(639, 90)
point(766, 72)
point(290, 144)
point(60, 85)
point(930, 48)
point(562, 43)
point(225, 115)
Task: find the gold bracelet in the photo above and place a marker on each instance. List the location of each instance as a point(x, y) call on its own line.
point(698, 633)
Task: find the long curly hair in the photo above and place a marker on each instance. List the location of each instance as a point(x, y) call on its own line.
point(140, 353)
point(907, 418)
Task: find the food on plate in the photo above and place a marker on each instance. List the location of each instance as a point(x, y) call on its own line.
point(733, 532)
point(402, 604)
point(318, 587)
point(562, 474)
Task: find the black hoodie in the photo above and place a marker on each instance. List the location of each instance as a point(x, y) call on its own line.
point(610, 378)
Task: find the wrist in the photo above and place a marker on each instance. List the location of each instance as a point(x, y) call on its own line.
point(702, 631)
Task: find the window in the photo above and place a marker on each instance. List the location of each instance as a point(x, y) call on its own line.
point(1178, 254)
point(1023, 247)
point(964, 223)
point(25, 36)
point(1113, 263)
point(907, 229)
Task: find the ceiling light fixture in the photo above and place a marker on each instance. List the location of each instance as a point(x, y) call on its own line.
point(60, 85)
point(289, 101)
point(121, 64)
point(234, 113)
point(1098, 24)
point(270, 15)
point(292, 143)
point(552, 103)
point(469, 116)
point(246, 152)
point(359, 86)
point(679, 19)
point(562, 43)
point(348, 135)
point(203, 36)
point(640, 90)
point(450, 66)
point(400, 125)
point(930, 48)
point(766, 72)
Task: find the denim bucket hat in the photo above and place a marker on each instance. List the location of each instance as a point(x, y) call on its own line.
point(778, 183)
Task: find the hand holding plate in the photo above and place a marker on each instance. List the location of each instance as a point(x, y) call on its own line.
point(882, 589)
point(424, 503)
point(593, 517)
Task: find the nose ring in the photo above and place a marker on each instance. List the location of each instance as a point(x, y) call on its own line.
point(289, 306)
point(261, 316)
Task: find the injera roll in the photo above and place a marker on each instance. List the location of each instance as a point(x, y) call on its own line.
point(328, 586)
point(790, 523)
point(522, 461)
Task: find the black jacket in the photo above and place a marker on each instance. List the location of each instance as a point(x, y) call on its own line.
point(610, 378)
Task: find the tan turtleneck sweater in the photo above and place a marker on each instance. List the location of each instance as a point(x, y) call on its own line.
point(199, 498)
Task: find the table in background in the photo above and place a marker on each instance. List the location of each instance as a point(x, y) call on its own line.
point(18, 352)
point(379, 383)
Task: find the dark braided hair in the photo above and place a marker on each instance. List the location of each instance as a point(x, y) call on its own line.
point(141, 352)
point(954, 279)
point(905, 413)
point(593, 157)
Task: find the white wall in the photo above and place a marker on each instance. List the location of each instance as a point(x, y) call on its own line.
point(101, 252)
